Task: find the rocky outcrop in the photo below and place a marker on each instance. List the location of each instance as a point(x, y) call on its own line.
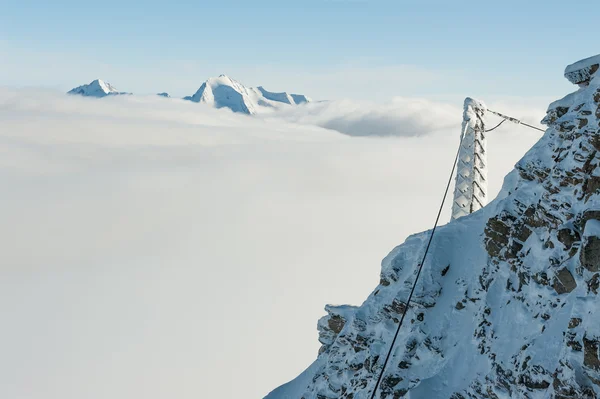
point(590, 251)
point(507, 305)
point(331, 325)
point(564, 282)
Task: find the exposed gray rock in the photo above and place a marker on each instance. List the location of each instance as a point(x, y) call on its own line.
point(564, 282)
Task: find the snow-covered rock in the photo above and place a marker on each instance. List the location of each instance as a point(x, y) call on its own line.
point(225, 92)
point(507, 304)
point(97, 88)
point(580, 72)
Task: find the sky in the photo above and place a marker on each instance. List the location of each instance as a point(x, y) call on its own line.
point(327, 49)
point(157, 248)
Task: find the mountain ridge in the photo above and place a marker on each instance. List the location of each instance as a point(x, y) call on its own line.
point(96, 88)
point(217, 92)
point(225, 92)
point(507, 304)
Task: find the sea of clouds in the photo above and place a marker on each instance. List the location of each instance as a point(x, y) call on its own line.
point(156, 248)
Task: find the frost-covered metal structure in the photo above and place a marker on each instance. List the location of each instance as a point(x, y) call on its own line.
point(470, 191)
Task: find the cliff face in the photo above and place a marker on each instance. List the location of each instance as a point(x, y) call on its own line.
point(507, 304)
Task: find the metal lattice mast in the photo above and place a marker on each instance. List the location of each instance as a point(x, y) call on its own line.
point(470, 191)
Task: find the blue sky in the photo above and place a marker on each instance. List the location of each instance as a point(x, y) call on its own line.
point(326, 48)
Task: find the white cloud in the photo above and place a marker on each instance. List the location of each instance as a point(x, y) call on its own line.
point(400, 117)
point(156, 248)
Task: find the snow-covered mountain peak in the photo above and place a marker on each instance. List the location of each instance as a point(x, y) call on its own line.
point(96, 88)
point(219, 92)
point(221, 79)
point(104, 86)
point(225, 92)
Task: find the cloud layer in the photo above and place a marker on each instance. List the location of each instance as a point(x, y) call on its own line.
point(401, 117)
point(158, 249)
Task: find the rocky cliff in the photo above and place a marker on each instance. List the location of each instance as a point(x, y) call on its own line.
point(507, 304)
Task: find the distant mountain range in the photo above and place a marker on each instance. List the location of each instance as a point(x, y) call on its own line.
point(219, 92)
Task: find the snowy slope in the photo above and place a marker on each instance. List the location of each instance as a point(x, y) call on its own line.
point(97, 88)
point(507, 303)
point(300, 98)
point(279, 97)
point(225, 92)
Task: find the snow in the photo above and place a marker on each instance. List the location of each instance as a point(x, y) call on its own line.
point(96, 88)
point(291, 389)
point(300, 98)
point(581, 71)
point(592, 228)
point(219, 92)
point(565, 102)
point(279, 97)
point(225, 92)
point(582, 64)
